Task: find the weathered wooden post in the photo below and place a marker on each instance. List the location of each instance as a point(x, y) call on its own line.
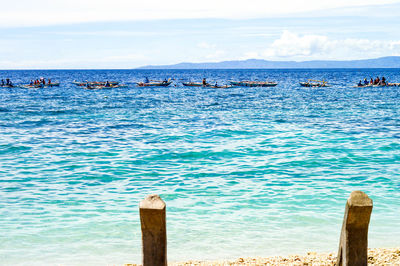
point(353, 245)
point(154, 231)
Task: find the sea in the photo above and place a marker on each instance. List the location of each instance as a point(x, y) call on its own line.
point(243, 171)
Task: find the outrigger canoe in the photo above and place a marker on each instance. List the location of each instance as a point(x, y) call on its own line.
point(221, 86)
point(378, 85)
point(207, 85)
point(155, 83)
point(94, 83)
point(37, 86)
point(8, 86)
point(195, 84)
point(100, 87)
point(246, 83)
point(314, 83)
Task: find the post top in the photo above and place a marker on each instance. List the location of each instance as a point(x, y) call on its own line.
point(152, 202)
point(359, 198)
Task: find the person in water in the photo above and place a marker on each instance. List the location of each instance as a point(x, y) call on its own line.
point(2, 82)
point(107, 84)
point(146, 80)
point(366, 82)
point(360, 83)
point(371, 82)
point(204, 82)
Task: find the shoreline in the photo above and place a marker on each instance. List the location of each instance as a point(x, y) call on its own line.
point(376, 256)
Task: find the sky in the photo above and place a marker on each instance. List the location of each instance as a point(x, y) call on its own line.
point(119, 34)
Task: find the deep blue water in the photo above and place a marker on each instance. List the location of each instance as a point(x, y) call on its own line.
point(243, 171)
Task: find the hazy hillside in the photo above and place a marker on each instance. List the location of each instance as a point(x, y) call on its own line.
point(383, 62)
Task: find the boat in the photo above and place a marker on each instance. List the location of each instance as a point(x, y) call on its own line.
point(94, 83)
point(247, 83)
point(100, 87)
point(195, 84)
point(7, 83)
point(377, 85)
point(37, 86)
point(8, 86)
point(28, 87)
point(155, 83)
point(55, 84)
point(221, 86)
point(314, 83)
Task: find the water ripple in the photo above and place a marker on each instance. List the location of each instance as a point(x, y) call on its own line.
point(234, 165)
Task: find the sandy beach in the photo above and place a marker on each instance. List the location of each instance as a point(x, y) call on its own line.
point(377, 256)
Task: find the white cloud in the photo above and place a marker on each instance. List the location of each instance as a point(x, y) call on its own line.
point(293, 46)
point(45, 12)
point(210, 51)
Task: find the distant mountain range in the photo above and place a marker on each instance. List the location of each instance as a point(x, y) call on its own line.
point(383, 62)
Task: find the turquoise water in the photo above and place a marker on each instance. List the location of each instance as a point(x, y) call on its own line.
point(243, 171)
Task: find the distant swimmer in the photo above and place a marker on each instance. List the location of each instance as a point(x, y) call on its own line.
point(204, 82)
point(366, 82)
point(360, 83)
point(146, 80)
point(2, 82)
point(107, 84)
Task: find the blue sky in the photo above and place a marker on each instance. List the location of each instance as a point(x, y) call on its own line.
point(129, 34)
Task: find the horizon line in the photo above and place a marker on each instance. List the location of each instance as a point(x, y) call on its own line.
point(144, 69)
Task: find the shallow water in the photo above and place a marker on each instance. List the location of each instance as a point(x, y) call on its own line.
point(243, 171)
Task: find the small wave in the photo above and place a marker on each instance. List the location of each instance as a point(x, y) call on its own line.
point(11, 149)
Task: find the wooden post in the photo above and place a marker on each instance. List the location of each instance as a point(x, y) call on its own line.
point(353, 245)
point(154, 231)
